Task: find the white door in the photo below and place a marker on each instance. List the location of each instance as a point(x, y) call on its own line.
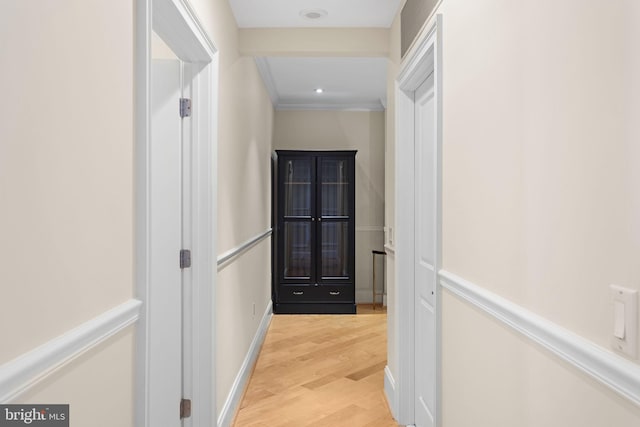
point(425, 261)
point(166, 231)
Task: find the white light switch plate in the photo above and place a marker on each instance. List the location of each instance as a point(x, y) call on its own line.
point(624, 309)
point(389, 234)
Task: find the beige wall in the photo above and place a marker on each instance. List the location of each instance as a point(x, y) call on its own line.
point(66, 184)
point(543, 171)
point(98, 385)
point(244, 211)
point(494, 376)
point(347, 130)
point(314, 41)
point(66, 161)
point(66, 189)
point(540, 199)
point(244, 195)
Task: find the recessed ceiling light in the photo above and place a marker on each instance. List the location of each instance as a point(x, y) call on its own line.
point(319, 90)
point(313, 14)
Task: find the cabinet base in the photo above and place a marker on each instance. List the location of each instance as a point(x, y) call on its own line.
point(284, 308)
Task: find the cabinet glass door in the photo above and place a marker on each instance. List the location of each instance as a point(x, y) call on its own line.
point(335, 250)
point(298, 209)
point(335, 221)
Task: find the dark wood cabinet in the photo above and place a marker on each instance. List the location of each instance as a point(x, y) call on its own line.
point(314, 232)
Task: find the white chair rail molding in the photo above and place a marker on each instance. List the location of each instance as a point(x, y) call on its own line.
point(25, 371)
point(605, 366)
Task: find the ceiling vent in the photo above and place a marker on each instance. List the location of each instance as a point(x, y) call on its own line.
point(313, 14)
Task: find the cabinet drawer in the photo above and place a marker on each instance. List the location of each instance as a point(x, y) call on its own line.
point(336, 293)
point(295, 293)
point(316, 294)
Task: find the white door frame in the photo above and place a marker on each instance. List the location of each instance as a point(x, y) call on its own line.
point(177, 24)
point(423, 59)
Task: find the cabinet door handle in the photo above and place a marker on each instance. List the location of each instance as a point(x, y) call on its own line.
point(298, 293)
point(334, 293)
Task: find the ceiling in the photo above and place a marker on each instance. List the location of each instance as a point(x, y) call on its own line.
point(347, 83)
point(340, 13)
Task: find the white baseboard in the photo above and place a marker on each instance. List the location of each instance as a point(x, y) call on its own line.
point(616, 372)
point(25, 371)
point(230, 406)
point(390, 391)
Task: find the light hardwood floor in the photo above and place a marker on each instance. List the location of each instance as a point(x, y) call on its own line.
point(320, 371)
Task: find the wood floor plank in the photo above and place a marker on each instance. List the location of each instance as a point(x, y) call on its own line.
point(369, 370)
point(320, 371)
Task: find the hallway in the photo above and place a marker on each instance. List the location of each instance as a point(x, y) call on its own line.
point(498, 166)
point(316, 370)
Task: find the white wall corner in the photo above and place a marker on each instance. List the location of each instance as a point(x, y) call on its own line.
point(390, 391)
point(232, 404)
point(365, 296)
point(267, 78)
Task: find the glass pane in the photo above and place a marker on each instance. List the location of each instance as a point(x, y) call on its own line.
point(335, 249)
point(297, 250)
point(335, 188)
point(297, 187)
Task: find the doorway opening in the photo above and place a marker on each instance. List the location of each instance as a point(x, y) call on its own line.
point(175, 212)
point(416, 397)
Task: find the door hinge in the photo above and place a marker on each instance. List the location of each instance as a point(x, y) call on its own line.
point(185, 107)
point(185, 408)
point(185, 258)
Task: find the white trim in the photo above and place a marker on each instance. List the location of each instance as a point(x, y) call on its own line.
point(390, 250)
point(365, 106)
point(231, 405)
point(423, 61)
point(203, 242)
point(267, 78)
point(404, 271)
point(177, 24)
point(615, 372)
point(143, 27)
point(420, 65)
point(225, 258)
point(390, 390)
point(426, 27)
point(25, 371)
